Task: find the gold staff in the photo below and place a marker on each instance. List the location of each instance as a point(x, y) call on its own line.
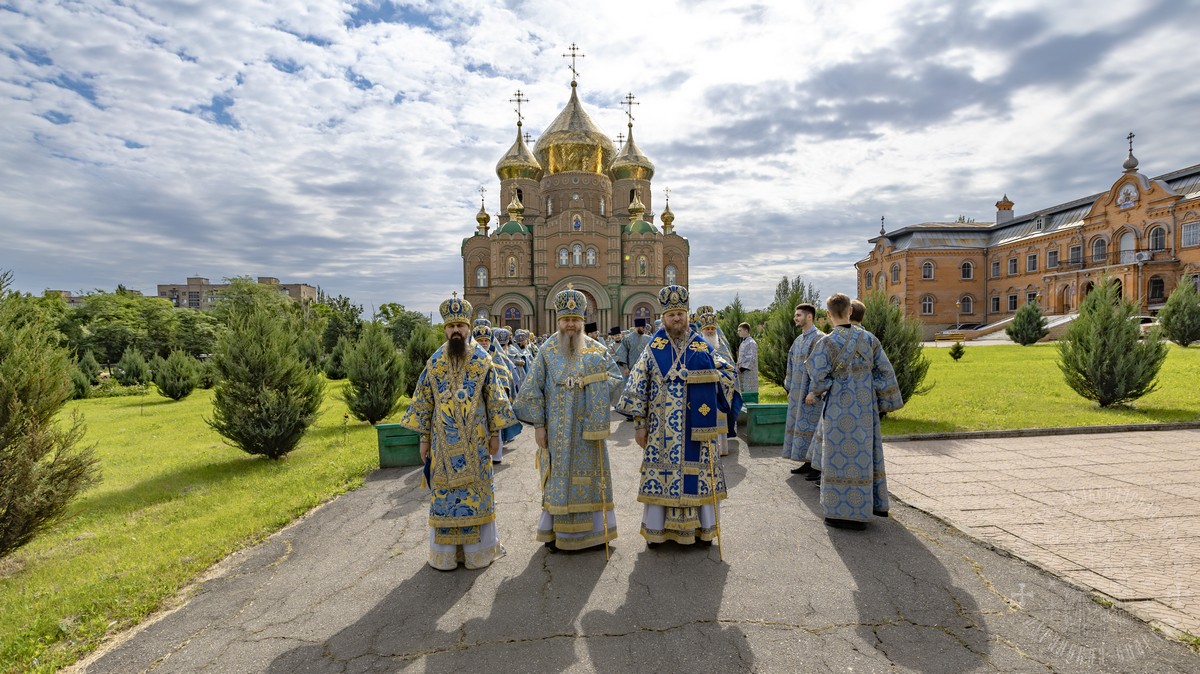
point(712, 462)
point(604, 504)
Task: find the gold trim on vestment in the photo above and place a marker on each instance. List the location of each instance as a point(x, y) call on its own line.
point(459, 522)
point(711, 433)
point(703, 376)
point(595, 378)
point(573, 508)
point(681, 501)
point(597, 435)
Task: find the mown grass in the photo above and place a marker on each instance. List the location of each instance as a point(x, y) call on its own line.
point(174, 500)
point(1008, 387)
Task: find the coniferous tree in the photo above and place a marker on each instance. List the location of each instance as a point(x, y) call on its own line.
point(178, 376)
point(310, 349)
point(80, 386)
point(1180, 318)
point(1101, 357)
point(781, 328)
point(335, 362)
point(731, 317)
point(1028, 325)
point(207, 374)
point(132, 369)
point(376, 373)
point(957, 350)
point(267, 398)
point(422, 342)
point(44, 466)
point(901, 340)
point(89, 367)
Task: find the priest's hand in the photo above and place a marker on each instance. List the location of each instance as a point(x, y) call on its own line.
point(642, 437)
point(539, 435)
point(493, 444)
point(810, 399)
point(424, 451)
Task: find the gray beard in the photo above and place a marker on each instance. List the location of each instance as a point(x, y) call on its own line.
point(571, 343)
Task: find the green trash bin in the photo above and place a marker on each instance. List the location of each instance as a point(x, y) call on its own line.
point(398, 446)
point(767, 423)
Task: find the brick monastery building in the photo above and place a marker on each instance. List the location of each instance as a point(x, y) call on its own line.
point(1145, 232)
point(578, 212)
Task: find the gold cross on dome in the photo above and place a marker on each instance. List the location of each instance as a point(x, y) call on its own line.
point(482, 192)
point(667, 191)
point(519, 98)
point(629, 103)
point(574, 49)
point(570, 286)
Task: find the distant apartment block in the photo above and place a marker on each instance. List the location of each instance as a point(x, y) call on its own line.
point(198, 293)
point(74, 300)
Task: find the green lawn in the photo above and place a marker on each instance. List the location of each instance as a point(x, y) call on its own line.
point(1005, 387)
point(174, 500)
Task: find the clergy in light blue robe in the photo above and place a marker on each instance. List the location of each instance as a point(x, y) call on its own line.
point(850, 370)
point(569, 396)
point(802, 419)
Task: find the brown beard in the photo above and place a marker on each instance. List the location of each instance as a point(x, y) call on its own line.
point(677, 333)
point(571, 343)
point(457, 347)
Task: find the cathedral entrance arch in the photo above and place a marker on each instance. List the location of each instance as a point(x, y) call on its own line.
point(599, 307)
point(513, 311)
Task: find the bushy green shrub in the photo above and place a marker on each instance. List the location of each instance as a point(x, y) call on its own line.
point(89, 367)
point(957, 350)
point(208, 374)
point(1101, 357)
point(80, 386)
point(1180, 318)
point(177, 377)
point(132, 369)
point(1028, 325)
point(376, 373)
point(901, 340)
point(267, 398)
point(111, 388)
point(44, 465)
point(335, 362)
point(309, 346)
point(423, 341)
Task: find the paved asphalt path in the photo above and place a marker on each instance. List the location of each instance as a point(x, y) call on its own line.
point(347, 589)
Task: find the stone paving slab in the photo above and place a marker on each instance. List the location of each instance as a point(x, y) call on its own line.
point(347, 589)
point(1118, 513)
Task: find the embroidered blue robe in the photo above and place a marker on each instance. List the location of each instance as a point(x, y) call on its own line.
point(456, 412)
point(679, 397)
point(850, 370)
point(571, 398)
point(802, 419)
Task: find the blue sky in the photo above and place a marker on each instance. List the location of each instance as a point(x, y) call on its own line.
point(342, 144)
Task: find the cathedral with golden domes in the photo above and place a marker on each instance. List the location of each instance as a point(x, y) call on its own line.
point(576, 211)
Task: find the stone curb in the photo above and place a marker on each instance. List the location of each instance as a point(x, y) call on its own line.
point(1034, 432)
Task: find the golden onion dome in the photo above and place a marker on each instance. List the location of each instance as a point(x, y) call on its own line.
point(668, 218)
point(573, 142)
point(482, 217)
point(630, 163)
point(519, 162)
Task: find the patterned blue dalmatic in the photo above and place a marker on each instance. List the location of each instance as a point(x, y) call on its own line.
point(849, 368)
point(802, 419)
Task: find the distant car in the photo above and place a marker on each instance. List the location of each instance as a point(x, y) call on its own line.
point(1145, 324)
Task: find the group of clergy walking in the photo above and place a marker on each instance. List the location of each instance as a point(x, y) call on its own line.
point(679, 385)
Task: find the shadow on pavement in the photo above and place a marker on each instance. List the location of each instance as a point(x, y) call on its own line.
point(900, 585)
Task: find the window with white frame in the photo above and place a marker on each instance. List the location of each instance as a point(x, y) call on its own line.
point(995, 304)
point(995, 268)
point(1075, 254)
point(1191, 234)
point(670, 274)
point(1012, 265)
point(1031, 297)
point(563, 257)
point(1012, 302)
point(1158, 289)
point(1052, 258)
point(1158, 239)
point(895, 273)
point(591, 257)
point(968, 271)
point(481, 277)
point(927, 305)
point(1099, 250)
point(966, 305)
point(927, 270)
point(1031, 262)
point(577, 255)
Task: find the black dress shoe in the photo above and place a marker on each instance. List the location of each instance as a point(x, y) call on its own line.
point(803, 469)
point(813, 475)
point(879, 513)
point(845, 524)
point(652, 544)
point(551, 546)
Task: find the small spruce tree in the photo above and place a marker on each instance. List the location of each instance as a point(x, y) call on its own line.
point(267, 398)
point(423, 341)
point(132, 369)
point(957, 350)
point(178, 376)
point(1028, 325)
point(1180, 318)
point(208, 374)
point(80, 386)
point(89, 367)
point(43, 466)
point(900, 337)
point(310, 348)
point(335, 362)
point(376, 373)
point(1101, 357)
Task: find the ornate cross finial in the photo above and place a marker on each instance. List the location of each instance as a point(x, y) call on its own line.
point(667, 191)
point(454, 294)
point(482, 193)
point(528, 137)
point(1130, 139)
point(620, 139)
point(881, 229)
point(629, 103)
point(571, 286)
point(574, 49)
point(519, 98)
